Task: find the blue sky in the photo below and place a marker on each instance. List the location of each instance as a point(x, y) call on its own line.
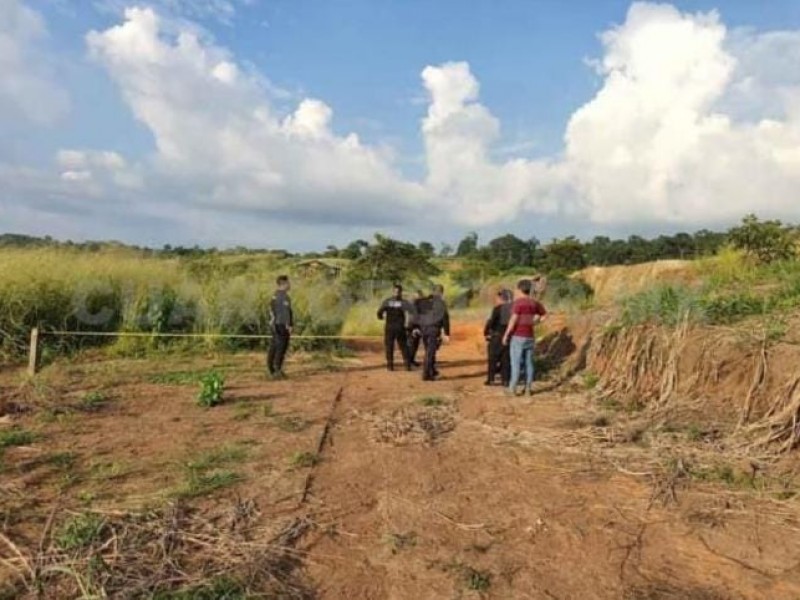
point(119, 153)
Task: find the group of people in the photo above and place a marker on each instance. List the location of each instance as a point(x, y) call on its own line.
point(509, 333)
point(425, 321)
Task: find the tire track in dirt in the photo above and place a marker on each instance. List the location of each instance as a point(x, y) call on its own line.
point(323, 438)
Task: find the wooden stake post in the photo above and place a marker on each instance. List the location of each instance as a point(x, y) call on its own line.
point(33, 356)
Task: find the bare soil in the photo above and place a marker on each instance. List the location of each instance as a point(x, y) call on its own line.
point(445, 489)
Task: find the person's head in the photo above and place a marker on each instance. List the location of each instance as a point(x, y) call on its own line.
point(437, 290)
point(499, 298)
point(503, 296)
point(420, 295)
point(397, 291)
point(524, 287)
point(283, 282)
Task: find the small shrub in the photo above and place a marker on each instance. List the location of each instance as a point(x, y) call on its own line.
point(80, 531)
point(92, 401)
point(291, 424)
point(304, 460)
point(220, 588)
point(477, 581)
point(201, 484)
point(590, 380)
point(401, 541)
point(176, 378)
point(694, 433)
point(212, 385)
point(431, 401)
point(15, 437)
point(217, 457)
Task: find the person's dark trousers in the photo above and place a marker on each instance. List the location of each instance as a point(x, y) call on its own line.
point(505, 364)
point(413, 345)
point(392, 336)
point(494, 357)
point(430, 337)
point(277, 349)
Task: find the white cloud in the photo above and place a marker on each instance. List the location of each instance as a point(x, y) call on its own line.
point(458, 134)
point(220, 140)
point(692, 126)
point(27, 86)
point(660, 141)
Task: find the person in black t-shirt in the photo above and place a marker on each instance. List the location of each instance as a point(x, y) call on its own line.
point(497, 354)
point(281, 321)
point(394, 311)
point(433, 320)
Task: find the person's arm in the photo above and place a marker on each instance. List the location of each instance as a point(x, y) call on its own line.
point(382, 310)
point(446, 323)
point(491, 322)
point(512, 323)
point(273, 315)
point(541, 312)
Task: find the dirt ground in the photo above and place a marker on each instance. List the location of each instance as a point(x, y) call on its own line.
point(443, 489)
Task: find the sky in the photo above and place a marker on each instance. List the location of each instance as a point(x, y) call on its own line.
point(298, 124)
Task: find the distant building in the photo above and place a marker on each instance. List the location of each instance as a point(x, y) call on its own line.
point(316, 266)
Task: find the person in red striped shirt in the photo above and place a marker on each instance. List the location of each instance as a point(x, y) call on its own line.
point(525, 313)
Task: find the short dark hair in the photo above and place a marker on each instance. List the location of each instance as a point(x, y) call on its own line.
point(524, 286)
point(398, 287)
point(438, 289)
point(282, 279)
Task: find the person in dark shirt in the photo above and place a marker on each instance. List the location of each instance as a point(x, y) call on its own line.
point(413, 331)
point(281, 320)
point(525, 313)
point(498, 354)
point(395, 310)
point(433, 320)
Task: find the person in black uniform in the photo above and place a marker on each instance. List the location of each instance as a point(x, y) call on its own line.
point(499, 361)
point(394, 310)
point(413, 331)
point(433, 320)
point(281, 320)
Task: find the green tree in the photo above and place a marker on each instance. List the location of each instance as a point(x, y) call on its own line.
point(390, 260)
point(354, 250)
point(766, 241)
point(565, 255)
point(507, 252)
point(468, 246)
point(427, 249)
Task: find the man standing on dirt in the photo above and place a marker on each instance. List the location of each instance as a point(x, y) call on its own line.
point(497, 352)
point(433, 319)
point(525, 312)
point(413, 331)
point(395, 309)
point(281, 320)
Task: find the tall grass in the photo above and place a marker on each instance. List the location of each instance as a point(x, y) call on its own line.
point(733, 288)
point(121, 290)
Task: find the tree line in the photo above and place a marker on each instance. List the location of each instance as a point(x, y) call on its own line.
point(764, 240)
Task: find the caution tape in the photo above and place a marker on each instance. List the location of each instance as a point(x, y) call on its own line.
point(251, 336)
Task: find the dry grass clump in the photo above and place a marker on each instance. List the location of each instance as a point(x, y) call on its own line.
point(172, 553)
